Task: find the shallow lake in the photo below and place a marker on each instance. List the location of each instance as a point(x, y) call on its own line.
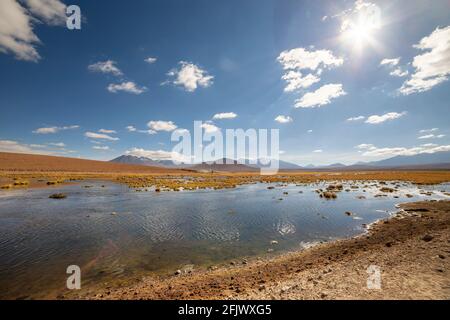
point(115, 233)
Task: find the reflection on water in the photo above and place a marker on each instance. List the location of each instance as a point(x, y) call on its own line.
point(115, 232)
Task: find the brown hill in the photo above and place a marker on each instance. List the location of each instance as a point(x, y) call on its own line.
point(34, 163)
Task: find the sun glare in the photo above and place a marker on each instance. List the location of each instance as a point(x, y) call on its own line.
point(360, 34)
point(360, 28)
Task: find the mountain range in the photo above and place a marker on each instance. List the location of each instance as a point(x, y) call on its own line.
point(438, 160)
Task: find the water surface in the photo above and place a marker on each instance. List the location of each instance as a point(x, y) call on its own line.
point(113, 232)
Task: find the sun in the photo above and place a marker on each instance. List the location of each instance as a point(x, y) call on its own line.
point(360, 34)
point(360, 28)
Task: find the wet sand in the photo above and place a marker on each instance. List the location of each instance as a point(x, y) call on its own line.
point(412, 250)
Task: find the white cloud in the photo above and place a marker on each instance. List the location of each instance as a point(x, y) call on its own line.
point(46, 130)
point(321, 96)
point(295, 80)
point(128, 86)
point(399, 72)
point(372, 151)
point(427, 136)
point(224, 115)
point(57, 144)
point(390, 62)
point(15, 147)
point(157, 154)
point(50, 130)
point(358, 118)
point(94, 135)
point(162, 125)
point(150, 60)
point(181, 130)
point(309, 131)
point(107, 131)
point(108, 66)
point(103, 148)
point(209, 127)
point(365, 146)
point(148, 131)
point(431, 67)
point(318, 151)
point(301, 58)
point(190, 77)
point(431, 136)
point(283, 119)
point(376, 119)
point(428, 130)
point(134, 129)
point(52, 12)
point(16, 32)
point(295, 60)
point(429, 145)
point(18, 147)
point(16, 25)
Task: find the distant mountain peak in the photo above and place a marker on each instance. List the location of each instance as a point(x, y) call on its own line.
point(145, 161)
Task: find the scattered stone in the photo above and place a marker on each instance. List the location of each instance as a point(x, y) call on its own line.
point(284, 289)
point(21, 183)
point(329, 195)
point(427, 238)
point(418, 210)
point(178, 272)
point(58, 196)
point(273, 242)
point(348, 213)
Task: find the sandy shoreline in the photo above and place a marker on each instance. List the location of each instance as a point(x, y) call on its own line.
point(412, 250)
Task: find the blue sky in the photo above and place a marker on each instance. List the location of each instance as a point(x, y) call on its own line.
point(311, 65)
